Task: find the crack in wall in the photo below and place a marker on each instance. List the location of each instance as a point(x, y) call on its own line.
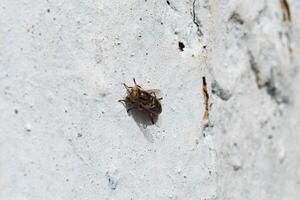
point(285, 11)
point(172, 6)
point(287, 19)
point(196, 21)
point(255, 70)
point(74, 149)
point(269, 84)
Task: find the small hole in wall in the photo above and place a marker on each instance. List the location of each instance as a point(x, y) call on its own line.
point(168, 2)
point(181, 46)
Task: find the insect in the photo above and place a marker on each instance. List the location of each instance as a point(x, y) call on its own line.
point(143, 100)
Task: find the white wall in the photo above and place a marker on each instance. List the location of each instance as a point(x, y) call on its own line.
point(63, 135)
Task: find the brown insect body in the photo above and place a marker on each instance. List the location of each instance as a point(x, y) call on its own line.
point(144, 100)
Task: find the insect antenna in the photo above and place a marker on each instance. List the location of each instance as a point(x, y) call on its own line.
point(136, 84)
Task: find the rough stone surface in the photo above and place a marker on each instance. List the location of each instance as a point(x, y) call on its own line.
point(65, 136)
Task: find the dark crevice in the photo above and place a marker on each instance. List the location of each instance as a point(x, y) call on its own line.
point(181, 46)
point(171, 5)
point(236, 18)
point(219, 91)
point(269, 84)
point(271, 89)
point(274, 92)
point(286, 11)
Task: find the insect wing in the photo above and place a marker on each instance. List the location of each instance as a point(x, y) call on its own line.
point(157, 92)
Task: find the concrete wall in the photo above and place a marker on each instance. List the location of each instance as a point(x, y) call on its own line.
point(63, 135)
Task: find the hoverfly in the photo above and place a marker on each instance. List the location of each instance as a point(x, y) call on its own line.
point(143, 100)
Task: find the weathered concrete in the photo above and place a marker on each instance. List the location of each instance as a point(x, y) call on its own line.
point(65, 136)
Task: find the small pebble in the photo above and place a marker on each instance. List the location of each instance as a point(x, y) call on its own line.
point(112, 181)
point(28, 127)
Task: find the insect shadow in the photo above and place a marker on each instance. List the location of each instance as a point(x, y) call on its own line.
point(142, 120)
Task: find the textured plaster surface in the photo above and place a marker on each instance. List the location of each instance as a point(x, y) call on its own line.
point(63, 135)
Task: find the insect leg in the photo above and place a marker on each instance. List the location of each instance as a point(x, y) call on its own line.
point(124, 102)
point(154, 94)
point(151, 117)
point(127, 87)
point(129, 109)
